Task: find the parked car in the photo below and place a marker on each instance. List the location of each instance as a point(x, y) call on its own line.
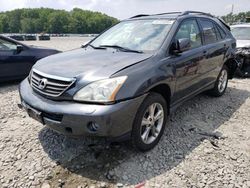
point(242, 34)
point(124, 83)
point(16, 59)
point(44, 37)
point(30, 37)
point(17, 37)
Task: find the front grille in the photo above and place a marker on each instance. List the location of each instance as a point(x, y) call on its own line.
point(49, 85)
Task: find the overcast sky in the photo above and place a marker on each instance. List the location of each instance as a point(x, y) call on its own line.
point(126, 8)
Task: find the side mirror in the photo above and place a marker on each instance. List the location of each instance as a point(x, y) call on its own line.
point(19, 48)
point(181, 45)
point(184, 44)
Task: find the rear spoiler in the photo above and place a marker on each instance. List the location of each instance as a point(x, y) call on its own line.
point(224, 23)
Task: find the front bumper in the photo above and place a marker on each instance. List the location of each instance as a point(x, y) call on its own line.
point(72, 118)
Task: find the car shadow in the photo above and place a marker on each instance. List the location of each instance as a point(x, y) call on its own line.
point(98, 160)
point(10, 83)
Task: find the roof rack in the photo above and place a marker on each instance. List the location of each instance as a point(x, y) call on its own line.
point(179, 14)
point(196, 12)
point(142, 15)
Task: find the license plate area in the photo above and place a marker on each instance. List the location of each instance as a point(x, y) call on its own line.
point(36, 115)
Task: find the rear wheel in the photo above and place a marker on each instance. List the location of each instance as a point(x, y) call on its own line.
point(221, 83)
point(150, 122)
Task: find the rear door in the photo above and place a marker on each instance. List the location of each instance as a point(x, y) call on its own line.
point(215, 49)
point(13, 64)
point(188, 62)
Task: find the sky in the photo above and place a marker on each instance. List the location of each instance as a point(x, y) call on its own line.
point(123, 9)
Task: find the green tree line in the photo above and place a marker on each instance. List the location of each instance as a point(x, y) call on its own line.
point(46, 20)
point(236, 18)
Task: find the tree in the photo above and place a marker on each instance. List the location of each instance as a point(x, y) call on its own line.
point(48, 20)
point(59, 22)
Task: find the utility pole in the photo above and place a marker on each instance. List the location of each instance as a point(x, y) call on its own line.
point(231, 14)
point(232, 10)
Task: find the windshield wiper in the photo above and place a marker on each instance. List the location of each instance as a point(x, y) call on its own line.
point(124, 49)
point(97, 47)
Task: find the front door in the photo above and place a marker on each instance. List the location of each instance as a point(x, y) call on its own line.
point(188, 62)
point(13, 64)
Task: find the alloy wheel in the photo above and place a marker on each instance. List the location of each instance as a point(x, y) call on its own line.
point(152, 123)
point(222, 81)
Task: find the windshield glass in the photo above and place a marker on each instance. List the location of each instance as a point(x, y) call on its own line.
point(241, 33)
point(141, 35)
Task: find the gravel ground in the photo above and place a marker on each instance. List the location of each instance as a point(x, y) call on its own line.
point(206, 144)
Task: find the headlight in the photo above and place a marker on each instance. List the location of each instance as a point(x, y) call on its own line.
point(101, 91)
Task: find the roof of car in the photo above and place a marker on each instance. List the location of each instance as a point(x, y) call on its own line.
point(176, 15)
point(241, 25)
point(171, 15)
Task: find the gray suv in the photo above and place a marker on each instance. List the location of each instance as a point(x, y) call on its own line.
point(125, 82)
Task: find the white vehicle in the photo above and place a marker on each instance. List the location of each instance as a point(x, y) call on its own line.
point(242, 34)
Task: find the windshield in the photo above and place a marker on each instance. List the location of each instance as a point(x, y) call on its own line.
point(241, 33)
point(140, 35)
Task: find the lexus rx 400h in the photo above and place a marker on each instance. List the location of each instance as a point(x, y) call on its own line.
point(125, 82)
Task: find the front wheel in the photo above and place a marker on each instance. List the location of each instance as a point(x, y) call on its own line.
point(149, 122)
point(221, 83)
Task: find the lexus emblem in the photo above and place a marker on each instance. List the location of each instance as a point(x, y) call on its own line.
point(42, 84)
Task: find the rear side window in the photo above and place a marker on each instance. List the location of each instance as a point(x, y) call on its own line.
point(189, 29)
point(209, 31)
point(219, 37)
point(222, 32)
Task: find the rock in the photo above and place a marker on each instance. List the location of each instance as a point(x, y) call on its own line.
point(248, 183)
point(233, 157)
point(31, 178)
point(208, 150)
point(48, 177)
point(103, 185)
point(45, 185)
point(119, 185)
point(110, 175)
point(124, 177)
point(220, 171)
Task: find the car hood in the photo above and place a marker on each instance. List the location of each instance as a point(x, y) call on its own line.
point(243, 43)
point(42, 48)
point(88, 64)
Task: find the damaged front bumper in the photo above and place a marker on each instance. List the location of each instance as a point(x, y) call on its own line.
point(243, 59)
point(78, 119)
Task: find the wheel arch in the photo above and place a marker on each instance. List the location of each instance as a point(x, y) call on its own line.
point(165, 91)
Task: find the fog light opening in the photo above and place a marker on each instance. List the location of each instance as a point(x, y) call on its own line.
point(68, 130)
point(93, 127)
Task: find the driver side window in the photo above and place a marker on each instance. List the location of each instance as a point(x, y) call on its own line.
point(7, 46)
point(189, 29)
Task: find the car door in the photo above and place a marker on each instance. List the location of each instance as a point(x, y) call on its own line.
point(15, 61)
point(215, 49)
point(188, 62)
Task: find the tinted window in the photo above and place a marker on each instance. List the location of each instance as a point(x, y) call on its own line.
point(5, 45)
point(222, 32)
point(209, 31)
point(189, 29)
point(218, 34)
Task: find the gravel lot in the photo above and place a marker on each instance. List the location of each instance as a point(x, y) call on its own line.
point(206, 144)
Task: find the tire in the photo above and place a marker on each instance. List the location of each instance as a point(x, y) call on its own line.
point(221, 83)
point(140, 130)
